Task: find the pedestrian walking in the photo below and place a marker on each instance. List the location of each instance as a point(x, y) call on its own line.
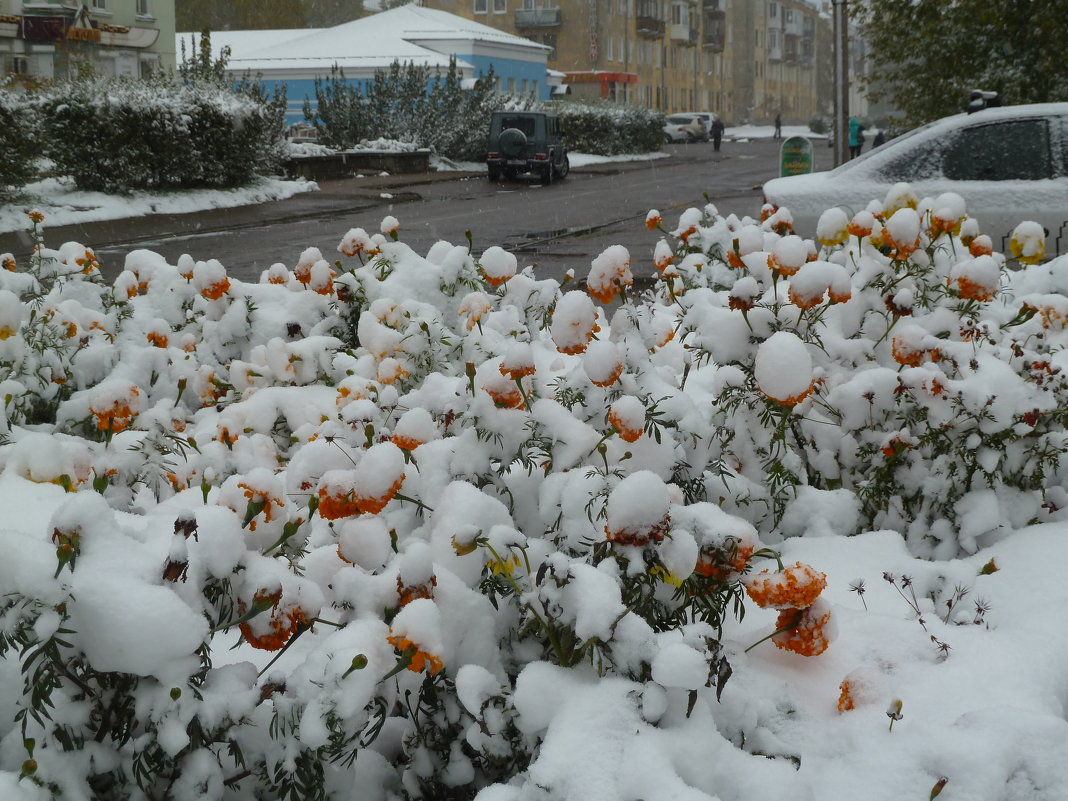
point(778, 126)
point(880, 138)
point(717, 133)
point(856, 137)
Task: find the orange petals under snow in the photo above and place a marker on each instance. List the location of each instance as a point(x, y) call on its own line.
point(795, 587)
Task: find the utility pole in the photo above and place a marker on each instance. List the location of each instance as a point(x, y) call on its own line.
point(841, 81)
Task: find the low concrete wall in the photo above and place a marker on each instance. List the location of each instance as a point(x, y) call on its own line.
point(365, 162)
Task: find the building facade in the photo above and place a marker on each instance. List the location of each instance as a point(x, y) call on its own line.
point(42, 40)
point(747, 60)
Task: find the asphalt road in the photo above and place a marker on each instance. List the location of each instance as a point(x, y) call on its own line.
point(555, 228)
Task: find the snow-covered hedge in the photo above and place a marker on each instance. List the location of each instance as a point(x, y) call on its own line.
point(454, 122)
point(115, 135)
point(472, 533)
point(606, 129)
point(17, 143)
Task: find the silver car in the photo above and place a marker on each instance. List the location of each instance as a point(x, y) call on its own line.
point(1010, 164)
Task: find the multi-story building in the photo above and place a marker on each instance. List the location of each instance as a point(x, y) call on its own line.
point(45, 39)
point(747, 60)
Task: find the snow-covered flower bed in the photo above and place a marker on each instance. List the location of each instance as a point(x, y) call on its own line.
point(391, 525)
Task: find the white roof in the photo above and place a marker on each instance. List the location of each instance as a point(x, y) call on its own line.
point(369, 43)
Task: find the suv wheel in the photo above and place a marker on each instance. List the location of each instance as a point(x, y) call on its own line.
point(565, 168)
point(512, 142)
point(548, 173)
point(494, 173)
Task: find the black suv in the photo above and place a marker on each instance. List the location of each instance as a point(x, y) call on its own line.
point(526, 142)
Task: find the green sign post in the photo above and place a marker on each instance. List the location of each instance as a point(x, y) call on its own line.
point(795, 156)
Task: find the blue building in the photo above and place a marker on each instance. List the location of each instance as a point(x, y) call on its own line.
point(408, 34)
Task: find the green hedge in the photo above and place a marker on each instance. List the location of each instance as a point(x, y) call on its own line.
point(604, 129)
point(18, 143)
point(117, 135)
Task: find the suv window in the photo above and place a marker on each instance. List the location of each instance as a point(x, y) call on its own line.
point(1001, 151)
point(523, 123)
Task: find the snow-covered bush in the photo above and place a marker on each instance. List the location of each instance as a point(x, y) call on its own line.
point(396, 526)
point(406, 104)
point(114, 135)
point(891, 375)
point(607, 129)
point(18, 143)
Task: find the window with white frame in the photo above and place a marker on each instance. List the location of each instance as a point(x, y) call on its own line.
point(481, 6)
point(500, 6)
point(144, 8)
point(100, 4)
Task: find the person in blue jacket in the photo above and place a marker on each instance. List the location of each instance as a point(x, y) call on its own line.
point(856, 137)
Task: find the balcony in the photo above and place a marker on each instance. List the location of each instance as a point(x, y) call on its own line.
point(713, 6)
point(684, 34)
point(537, 18)
point(649, 19)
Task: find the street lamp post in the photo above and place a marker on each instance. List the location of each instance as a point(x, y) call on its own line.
point(841, 81)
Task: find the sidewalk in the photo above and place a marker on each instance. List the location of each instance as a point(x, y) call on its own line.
point(351, 194)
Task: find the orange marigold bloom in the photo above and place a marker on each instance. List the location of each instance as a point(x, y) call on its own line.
point(406, 443)
point(517, 371)
point(216, 290)
point(259, 496)
point(653, 220)
point(972, 290)
point(35, 216)
point(505, 394)
point(406, 593)
point(804, 631)
point(720, 565)
point(639, 535)
point(116, 416)
point(609, 378)
point(734, 260)
point(626, 432)
point(845, 697)
point(282, 625)
point(374, 505)
point(157, 339)
point(9, 264)
point(795, 587)
point(894, 446)
point(421, 660)
point(912, 357)
point(981, 246)
point(805, 301)
point(334, 505)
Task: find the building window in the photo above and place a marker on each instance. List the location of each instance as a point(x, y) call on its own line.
point(500, 6)
point(143, 9)
point(549, 40)
point(100, 4)
point(511, 86)
point(773, 10)
point(528, 5)
point(481, 6)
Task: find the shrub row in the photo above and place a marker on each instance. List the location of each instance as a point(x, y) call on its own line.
point(453, 121)
point(116, 135)
point(17, 143)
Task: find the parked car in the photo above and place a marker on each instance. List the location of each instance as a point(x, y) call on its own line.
point(1008, 163)
point(685, 128)
point(526, 142)
point(707, 117)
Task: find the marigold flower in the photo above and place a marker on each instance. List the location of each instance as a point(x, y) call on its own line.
point(518, 362)
point(862, 224)
point(406, 593)
point(908, 354)
point(721, 564)
point(216, 290)
point(505, 393)
point(806, 630)
point(35, 216)
point(795, 587)
point(1028, 243)
point(114, 410)
point(627, 417)
point(639, 535)
point(157, 339)
point(653, 220)
point(981, 246)
point(846, 701)
point(420, 660)
point(9, 264)
point(805, 301)
point(337, 495)
point(283, 623)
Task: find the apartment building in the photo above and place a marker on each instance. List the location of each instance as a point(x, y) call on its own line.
point(45, 39)
point(747, 60)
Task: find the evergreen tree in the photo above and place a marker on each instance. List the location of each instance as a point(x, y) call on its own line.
point(925, 56)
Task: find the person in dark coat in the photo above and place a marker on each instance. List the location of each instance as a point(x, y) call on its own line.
point(778, 126)
point(717, 132)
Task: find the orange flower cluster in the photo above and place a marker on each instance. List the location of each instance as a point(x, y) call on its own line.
point(846, 701)
point(406, 593)
point(803, 631)
point(639, 535)
point(609, 378)
point(373, 504)
point(973, 290)
point(912, 357)
point(406, 443)
point(795, 587)
point(336, 503)
point(626, 432)
point(420, 660)
point(258, 497)
point(116, 416)
point(505, 393)
point(282, 624)
point(216, 290)
point(721, 565)
point(157, 339)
